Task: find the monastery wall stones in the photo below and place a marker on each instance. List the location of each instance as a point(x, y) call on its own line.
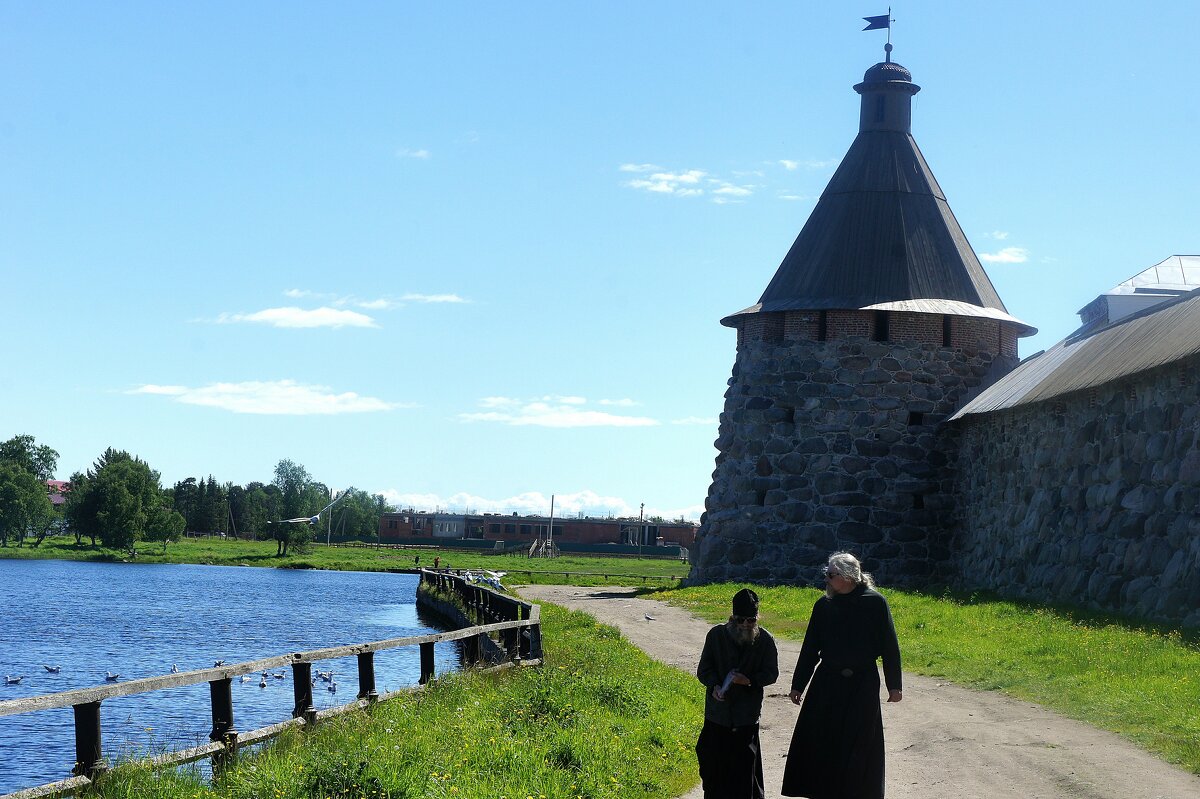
point(828, 445)
point(1090, 501)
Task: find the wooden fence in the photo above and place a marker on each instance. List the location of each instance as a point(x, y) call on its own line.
point(517, 623)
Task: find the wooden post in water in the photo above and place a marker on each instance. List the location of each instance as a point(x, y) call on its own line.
point(221, 698)
point(426, 662)
point(302, 691)
point(366, 676)
point(88, 758)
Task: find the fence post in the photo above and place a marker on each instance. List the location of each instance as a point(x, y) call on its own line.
point(471, 647)
point(302, 691)
point(535, 642)
point(88, 761)
point(525, 634)
point(221, 698)
point(426, 662)
point(366, 676)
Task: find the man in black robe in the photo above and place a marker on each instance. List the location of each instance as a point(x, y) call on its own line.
point(837, 747)
point(739, 658)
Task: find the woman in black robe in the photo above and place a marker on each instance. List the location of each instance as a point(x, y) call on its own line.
point(837, 748)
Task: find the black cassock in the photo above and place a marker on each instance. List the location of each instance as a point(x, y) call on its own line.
point(837, 747)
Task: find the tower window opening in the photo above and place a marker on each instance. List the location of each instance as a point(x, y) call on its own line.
point(761, 497)
point(790, 415)
point(879, 108)
point(823, 326)
point(881, 326)
point(946, 331)
point(916, 418)
point(919, 501)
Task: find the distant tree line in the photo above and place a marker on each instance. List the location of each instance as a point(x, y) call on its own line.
point(120, 501)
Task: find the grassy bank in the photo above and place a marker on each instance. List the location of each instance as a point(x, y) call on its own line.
point(600, 720)
point(1137, 681)
point(234, 552)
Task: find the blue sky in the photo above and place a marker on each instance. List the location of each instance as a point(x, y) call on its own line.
point(472, 255)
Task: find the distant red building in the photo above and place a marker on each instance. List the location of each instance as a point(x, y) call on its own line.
point(396, 527)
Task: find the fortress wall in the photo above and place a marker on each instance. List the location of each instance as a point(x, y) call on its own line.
point(1092, 500)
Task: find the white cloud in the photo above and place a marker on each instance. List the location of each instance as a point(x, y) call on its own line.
point(682, 184)
point(620, 403)
point(640, 168)
point(431, 298)
point(301, 317)
point(380, 304)
point(550, 411)
point(1008, 255)
point(731, 190)
point(530, 503)
point(277, 397)
point(791, 165)
point(999, 235)
point(697, 420)
point(421, 154)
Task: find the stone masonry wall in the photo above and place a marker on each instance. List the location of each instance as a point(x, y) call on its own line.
point(1093, 500)
point(828, 445)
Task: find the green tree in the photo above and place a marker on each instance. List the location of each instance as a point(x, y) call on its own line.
point(116, 501)
point(165, 525)
point(24, 505)
point(24, 452)
point(301, 497)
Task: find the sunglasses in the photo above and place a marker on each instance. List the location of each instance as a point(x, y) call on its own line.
point(744, 619)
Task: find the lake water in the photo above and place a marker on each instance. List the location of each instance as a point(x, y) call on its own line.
point(138, 620)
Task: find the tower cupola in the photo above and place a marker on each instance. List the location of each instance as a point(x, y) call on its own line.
point(887, 90)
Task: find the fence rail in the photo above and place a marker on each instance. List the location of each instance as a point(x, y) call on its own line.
point(517, 623)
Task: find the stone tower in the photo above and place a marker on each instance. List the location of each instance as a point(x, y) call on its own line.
point(877, 322)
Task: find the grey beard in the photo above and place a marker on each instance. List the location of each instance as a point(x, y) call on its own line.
point(743, 635)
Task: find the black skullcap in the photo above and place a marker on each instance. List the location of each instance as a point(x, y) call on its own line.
point(745, 603)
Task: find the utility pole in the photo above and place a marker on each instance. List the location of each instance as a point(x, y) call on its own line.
point(641, 529)
point(550, 531)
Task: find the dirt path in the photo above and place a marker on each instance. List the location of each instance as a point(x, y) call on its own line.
point(943, 741)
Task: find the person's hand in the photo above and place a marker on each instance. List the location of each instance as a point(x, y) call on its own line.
point(740, 679)
point(796, 696)
point(718, 694)
point(895, 695)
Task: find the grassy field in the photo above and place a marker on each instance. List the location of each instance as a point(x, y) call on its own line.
point(599, 720)
point(1137, 681)
point(582, 569)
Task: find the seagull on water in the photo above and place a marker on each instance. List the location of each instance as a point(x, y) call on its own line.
point(52, 669)
point(10, 680)
point(218, 663)
point(110, 677)
point(333, 688)
point(174, 669)
point(262, 683)
point(245, 678)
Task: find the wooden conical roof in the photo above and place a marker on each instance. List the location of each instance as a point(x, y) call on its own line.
point(882, 235)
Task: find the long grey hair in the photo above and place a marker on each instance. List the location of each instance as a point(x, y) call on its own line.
point(846, 565)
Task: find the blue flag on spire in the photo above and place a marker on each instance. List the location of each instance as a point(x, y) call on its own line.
point(878, 23)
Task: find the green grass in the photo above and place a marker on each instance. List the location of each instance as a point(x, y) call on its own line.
point(1135, 680)
point(234, 552)
point(599, 720)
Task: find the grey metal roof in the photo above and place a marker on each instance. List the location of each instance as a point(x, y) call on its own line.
point(882, 232)
point(1176, 273)
point(1158, 336)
